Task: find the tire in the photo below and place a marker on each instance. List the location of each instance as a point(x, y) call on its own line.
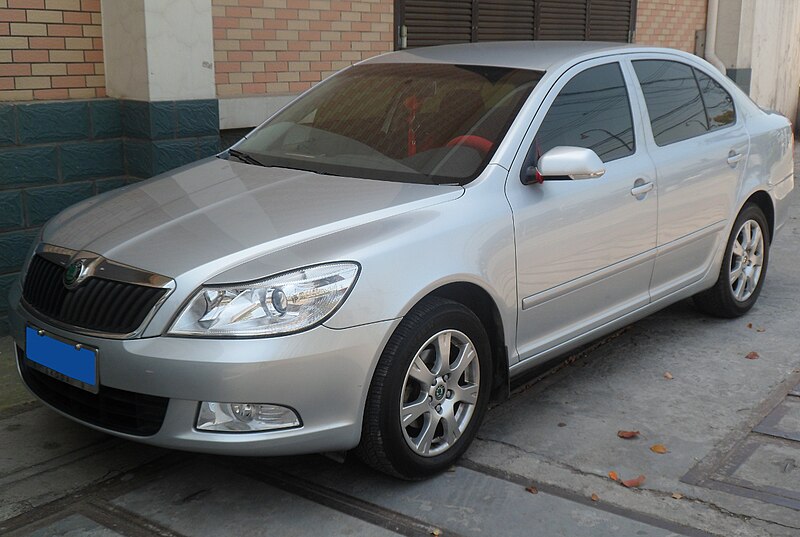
point(729, 299)
point(409, 372)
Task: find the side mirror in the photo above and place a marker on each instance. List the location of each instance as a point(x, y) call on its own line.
point(573, 162)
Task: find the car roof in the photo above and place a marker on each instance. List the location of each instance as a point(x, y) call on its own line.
point(536, 55)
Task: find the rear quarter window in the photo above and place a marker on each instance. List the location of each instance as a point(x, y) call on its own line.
point(718, 102)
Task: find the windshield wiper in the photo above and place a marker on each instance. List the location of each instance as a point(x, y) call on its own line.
point(244, 157)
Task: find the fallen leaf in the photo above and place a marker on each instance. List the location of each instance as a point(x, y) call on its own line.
point(436, 532)
point(677, 495)
point(658, 448)
point(752, 356)
point(761, 329)
point(532, 490)
point(668, 375)
point(613, 475)
point(749, 325)
point(635, 482)
point(595, 497)
point(627, 434)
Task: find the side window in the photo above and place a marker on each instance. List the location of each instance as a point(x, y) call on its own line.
point(592, 111)
point(718, 102)
point(673, 100)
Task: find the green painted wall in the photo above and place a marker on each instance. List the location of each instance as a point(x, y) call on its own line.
point(54, 154)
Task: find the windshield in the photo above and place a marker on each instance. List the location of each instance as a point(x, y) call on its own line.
point(421, 123)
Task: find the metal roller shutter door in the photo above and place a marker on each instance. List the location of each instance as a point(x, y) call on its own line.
point(506, 20)
point(440, 22)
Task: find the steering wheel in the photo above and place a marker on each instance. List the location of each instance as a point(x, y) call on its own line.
point(478, 143)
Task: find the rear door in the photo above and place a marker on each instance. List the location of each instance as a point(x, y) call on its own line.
point(699, 146)
point(585, 248)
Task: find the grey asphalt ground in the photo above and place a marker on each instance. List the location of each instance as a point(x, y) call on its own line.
point(730, 426)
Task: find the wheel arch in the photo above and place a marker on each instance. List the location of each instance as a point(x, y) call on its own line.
point(481, 303)
point(763, 201)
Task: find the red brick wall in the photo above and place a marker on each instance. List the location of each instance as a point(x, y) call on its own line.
point(51, 49)
point(670, 23)
point(285, 46)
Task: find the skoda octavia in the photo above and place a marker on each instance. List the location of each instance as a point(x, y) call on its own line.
point(371, 266)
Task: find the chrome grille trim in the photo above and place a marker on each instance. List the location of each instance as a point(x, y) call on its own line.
point(101, 269)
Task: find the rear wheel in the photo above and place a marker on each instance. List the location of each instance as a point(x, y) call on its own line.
point(429, 392)
point(743, 270)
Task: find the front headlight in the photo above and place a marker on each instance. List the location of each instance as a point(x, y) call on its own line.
point(286, 303)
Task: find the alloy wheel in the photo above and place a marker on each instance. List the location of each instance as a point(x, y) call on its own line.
point(439, 393)
point(747, 259)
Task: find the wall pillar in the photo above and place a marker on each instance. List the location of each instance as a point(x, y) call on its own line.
point(734, 34)
point(159, 64)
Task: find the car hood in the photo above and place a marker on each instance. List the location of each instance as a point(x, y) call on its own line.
point(222, 212)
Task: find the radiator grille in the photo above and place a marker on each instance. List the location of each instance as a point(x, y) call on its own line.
point(97, 304)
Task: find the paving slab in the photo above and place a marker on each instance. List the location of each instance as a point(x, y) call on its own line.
point(203, 499)
point(75, 478)
point(45, 457)
point(702, 511)
point(762, 467)
point(35, 435)
point(783, 421)
point(12, 391)
point(74, 525)
point(772, 465)
point(470, 503)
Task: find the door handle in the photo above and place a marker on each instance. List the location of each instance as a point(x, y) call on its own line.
point(734, 158)
point(641, 189)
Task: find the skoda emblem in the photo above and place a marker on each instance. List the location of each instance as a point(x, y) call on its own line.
point(439, 392)
point(74, 274)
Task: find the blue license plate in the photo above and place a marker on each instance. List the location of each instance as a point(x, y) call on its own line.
point(64, 360)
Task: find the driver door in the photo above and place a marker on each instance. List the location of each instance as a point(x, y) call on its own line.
point(585, 249)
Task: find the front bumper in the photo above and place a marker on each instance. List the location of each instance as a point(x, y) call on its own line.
point(323, 374)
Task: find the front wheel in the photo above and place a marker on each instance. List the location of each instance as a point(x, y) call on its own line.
point(743, 270)
point(429, 392)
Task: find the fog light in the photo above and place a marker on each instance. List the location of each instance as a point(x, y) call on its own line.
point(245, 417)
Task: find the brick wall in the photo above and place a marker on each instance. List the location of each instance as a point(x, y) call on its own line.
point(285, 46)
point(51, 49)
point(670, 23)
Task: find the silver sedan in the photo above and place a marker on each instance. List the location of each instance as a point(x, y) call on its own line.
point(372, 265)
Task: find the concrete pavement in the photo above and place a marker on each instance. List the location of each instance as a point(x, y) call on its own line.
point(12, 391)
point(730, 426)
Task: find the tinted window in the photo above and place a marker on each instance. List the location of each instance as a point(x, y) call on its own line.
point(673, 100)
point(592, 111)
point(422, 123)
point(718, 102)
